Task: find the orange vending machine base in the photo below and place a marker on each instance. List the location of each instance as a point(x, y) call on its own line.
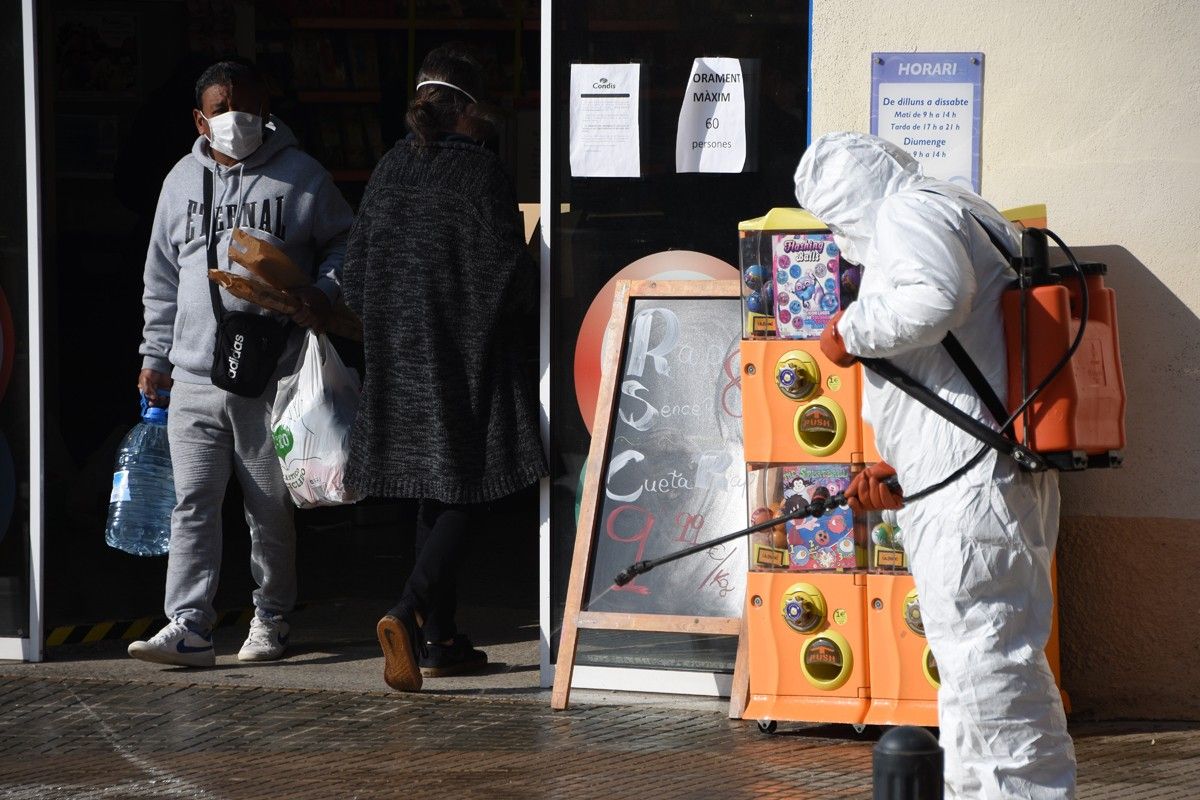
point(903, 674)
point(808, 647)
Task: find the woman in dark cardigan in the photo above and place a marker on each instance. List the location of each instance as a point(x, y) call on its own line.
point(437, 268)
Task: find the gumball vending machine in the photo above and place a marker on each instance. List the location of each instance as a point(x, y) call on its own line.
point(797, 406)
point(904, 676)
point(802, 433)
point(832, 614)
point(805, 603)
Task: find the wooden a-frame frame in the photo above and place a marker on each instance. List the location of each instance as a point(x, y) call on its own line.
point(575, 616)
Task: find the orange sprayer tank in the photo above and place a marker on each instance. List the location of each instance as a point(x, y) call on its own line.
point(1081, 411)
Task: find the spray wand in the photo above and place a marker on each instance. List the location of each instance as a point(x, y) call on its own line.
point(816, 508)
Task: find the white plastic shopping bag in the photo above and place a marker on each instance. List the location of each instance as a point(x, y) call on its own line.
point(310, 422)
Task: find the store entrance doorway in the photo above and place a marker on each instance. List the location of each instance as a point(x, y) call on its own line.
point(116, 85)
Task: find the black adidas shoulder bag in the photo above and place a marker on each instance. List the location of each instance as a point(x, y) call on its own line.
point(248, 345)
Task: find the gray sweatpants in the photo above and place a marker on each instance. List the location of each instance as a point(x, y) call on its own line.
point(212, 433)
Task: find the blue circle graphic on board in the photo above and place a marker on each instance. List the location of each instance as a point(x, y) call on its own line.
point(795, 271)
point(8, 486)
point(831, 250)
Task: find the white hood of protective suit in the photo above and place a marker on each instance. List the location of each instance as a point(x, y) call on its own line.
point(928, 269)
point(844, 177)
point(980, 548)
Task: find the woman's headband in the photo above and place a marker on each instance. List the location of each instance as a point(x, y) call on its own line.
point(451, 85)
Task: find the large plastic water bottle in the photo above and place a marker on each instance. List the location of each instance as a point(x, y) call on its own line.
point(143, 489)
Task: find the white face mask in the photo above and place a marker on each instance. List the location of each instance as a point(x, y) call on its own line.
point(237, 134)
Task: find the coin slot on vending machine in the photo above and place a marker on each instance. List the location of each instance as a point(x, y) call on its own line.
point(797, 375)
point(804, 608)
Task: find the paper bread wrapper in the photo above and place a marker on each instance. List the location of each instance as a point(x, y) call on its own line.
point(266, 261)
point(276, 272)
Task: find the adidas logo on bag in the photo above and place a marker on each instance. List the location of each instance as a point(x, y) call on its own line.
point(235, 360)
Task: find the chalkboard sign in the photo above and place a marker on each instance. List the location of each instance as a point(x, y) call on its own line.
point(674, 474)
point(665, 471)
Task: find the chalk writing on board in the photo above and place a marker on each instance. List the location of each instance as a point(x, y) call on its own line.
point(674, 474)
point(647, 523)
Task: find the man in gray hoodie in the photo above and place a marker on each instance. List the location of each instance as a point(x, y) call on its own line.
point(265, 185)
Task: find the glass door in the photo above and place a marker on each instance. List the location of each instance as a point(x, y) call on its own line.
point(662, 223)
point(20, 357)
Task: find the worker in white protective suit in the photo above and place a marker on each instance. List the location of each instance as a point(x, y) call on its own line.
point(980, 547)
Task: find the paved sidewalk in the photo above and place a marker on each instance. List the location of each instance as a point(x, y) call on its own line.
point(91, 723)
point(73, 738)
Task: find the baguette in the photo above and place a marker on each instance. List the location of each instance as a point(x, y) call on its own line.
point(342, 322)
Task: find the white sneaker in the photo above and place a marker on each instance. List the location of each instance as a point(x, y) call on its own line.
point(267, 640)
point(176, 644)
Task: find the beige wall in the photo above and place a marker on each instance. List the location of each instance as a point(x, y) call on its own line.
point(1094, 109)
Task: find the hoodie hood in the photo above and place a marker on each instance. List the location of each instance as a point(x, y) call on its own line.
point(276, 138)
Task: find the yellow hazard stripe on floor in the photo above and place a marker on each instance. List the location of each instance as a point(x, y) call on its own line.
point(59, 635)
point(137, 629)
point(98, 632)
point(103, 631)
point(129, 630)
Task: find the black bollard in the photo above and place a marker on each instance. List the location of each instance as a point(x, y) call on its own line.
point(907, 765)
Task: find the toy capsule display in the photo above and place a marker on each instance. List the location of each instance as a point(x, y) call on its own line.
point(834, 541)
point(793, 278)
point(885, 545)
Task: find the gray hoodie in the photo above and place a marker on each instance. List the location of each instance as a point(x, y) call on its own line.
point(279, 194)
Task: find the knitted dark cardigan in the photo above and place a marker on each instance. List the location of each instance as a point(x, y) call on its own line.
point(437, 268)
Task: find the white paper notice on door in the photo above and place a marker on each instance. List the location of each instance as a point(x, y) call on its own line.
point(712, 121)
point(605, 139)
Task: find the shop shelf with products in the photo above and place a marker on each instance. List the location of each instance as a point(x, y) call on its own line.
point(346, 71)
